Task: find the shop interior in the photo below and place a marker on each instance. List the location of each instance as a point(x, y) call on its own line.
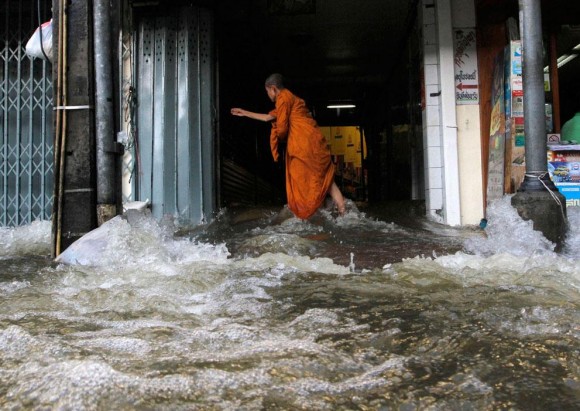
point(365, 58)
point(347, 59)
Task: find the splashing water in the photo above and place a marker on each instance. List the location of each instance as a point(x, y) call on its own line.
point(33, 239)
point(507, 232)
point(256, 315)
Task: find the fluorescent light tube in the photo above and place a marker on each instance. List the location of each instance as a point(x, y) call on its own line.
point(567, 59)
point(341, 106)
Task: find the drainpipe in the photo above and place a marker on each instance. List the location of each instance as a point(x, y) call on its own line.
point(538, 198)
point(105, 139)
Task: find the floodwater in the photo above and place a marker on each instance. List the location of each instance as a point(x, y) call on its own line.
point(377, 310)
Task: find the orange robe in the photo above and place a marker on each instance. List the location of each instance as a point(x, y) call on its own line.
point(309, 169)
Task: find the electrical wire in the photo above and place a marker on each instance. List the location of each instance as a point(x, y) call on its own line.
point(540, 175)
point(64, 120)
point(56, 224)
point(40, 32)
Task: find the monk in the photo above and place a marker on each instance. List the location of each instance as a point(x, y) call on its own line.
point(309, 169)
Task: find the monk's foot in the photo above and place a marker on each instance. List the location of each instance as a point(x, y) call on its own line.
point(341, 209)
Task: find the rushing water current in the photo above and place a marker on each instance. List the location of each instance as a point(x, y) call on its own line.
point(376, 310)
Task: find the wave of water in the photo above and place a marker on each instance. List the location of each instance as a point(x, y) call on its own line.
point(507, 232)
point(256, 317)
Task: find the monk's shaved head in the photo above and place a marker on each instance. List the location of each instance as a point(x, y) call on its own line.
point(276, 80)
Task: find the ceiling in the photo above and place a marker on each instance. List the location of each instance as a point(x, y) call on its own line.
point(334, 49)
point(346, 42)
point(339, 50)
point(346, 39)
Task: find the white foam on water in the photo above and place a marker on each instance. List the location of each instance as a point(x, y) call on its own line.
point(69, 385)
point(16, 344)
point(507, 232)
point(318, 322)
point(353, 218)
point(539, 321)
point(572, 244)
point(291, 244)
point(284, 263)
point(511, 254)
point(515, 263)
point(116, 344)
point(540, 271)
point(138, 266)
point(313, 390)
point(30, 239)
point(12, 287)
point(242, 294)
point(142, 241)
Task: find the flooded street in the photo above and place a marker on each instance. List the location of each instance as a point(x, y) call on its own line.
point(378, 310)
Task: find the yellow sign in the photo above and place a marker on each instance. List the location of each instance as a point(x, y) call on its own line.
point(327, 135)
point(346, 141)
point(338, 144)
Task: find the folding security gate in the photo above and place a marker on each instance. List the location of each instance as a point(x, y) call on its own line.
point(26, 142)
point(176, 114)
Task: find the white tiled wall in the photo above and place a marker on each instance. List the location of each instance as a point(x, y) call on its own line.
point(431, 114)
point(452, 158)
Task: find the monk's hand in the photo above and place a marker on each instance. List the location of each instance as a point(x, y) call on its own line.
point(238, 112)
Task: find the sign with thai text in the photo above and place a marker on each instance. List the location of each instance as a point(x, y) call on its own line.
point(466, 76)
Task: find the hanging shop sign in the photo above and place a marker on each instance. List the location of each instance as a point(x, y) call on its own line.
point(466, 76)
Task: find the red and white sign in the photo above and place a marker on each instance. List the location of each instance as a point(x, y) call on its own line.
point(466, 77)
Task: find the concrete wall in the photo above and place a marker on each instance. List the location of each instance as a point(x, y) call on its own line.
point(468, 133)
point(470, 170)
point(451, 132)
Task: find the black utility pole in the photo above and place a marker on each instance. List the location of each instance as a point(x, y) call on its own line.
point(537, 199)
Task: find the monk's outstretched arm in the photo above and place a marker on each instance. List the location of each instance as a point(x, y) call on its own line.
point(256, 116)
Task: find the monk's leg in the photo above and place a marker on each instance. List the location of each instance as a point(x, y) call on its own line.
point(338, 198)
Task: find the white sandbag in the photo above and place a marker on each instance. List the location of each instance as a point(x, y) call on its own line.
point(33, 48)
